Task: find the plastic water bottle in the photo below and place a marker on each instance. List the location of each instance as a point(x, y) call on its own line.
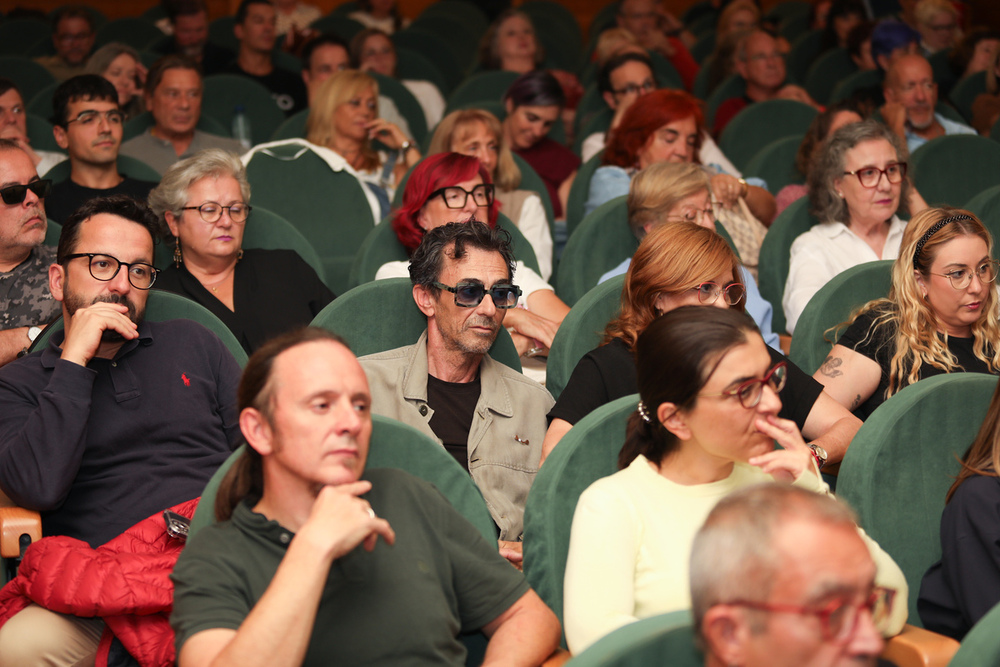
point(241, 127)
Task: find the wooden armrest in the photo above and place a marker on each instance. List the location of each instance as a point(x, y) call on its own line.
point(557, 659)
point(14, 522)
point(786, 343)
point(916, 647)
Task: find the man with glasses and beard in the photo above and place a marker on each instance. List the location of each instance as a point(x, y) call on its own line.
point(489, 417)
point(26, 304)
point(116, 419)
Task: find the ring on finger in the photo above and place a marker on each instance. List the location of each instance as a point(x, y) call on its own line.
point(371, 512)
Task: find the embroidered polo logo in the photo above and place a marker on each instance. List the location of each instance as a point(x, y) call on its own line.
point(187, 382)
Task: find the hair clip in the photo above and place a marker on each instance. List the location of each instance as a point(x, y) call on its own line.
point(644, 413)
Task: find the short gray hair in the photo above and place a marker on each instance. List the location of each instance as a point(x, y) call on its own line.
point(172, 192)
point(828, 165)
point(102, 58)
point(733, 555)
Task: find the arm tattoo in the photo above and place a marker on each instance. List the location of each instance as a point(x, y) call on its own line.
point(831, 367)
point(856, 402)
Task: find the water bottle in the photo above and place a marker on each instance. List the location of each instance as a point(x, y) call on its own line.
point(241, 127)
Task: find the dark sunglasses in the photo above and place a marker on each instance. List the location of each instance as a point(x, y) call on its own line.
point(470, 295)
point(15, 194)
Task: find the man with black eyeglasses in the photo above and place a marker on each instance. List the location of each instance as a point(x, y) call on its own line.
point(88, 124)
point(488, 416)
point(115, 419)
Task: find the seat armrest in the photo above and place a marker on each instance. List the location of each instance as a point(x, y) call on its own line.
point(14, 522)
point(916, 647)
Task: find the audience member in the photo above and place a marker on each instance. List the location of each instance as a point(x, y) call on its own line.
point(986, 106)
point(173, 96)
point(119, 63)
point(910, 99)
point(488, 416)
point(253, 588)
point(735, 19)
point(859, 46)
point(857, 184)
point(658, 30)
point(937, 22)
point(762, 67)
point(255, 30)
point(14, 126)
point(780, 578)
point(938, 317)
point(381, 14)
point(204, 202)
point(891, 41)
point(88, 125)
point(843, 16)
point(622, 79)
point(510, 44)
point(116, 419)
point(706, 425)
point(189, 19)
point(293, 16)
point(26, 304)
point(976, 52)
point(73, 36)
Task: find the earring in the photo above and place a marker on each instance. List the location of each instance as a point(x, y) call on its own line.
point(177, 253)
point(239, 254)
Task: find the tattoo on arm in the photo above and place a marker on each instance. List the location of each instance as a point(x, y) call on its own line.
point(831, 367)
point(856, 402)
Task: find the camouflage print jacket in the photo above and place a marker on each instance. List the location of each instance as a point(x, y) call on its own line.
point(24, 292)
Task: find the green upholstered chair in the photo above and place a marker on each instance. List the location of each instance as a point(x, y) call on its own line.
point(986, 205)
point(381, 315)
point(732, 86)
point(20, 36)
point(793, 26)
point(981, 646)
point(40, 133)
point(703, 49)
point(900, 464)
point(381, 245)
point(136, 126)
point(452, 33)
point(220, 33)
point(591, 104)
point(666, 639)
point(806, 48)
point(965, 92)
point(666, 74)
point(824, 74)
point(414, 65)
point(775, 254)
point(832, 305)
point(136, 32)
point(761, 123)
point(579, 191)
point(266, 229)
point(341, 26)
point(558, 32)
point(582, 331)
point(128, 166)
point(588, 452)
point(954, 168)
point(169, 306)
point(224, 92)
point(701, 88)
point(471, 15)
point(775, 163)
point(847, 86)
point(485, 86)
point(330, 208)
point(786, 10)
point(429, 44)
point(29, 76)
point(602, 241)
point(52, 231)
point(293, 127)
point(407, 104)
point(598, 122)
point(41, 103)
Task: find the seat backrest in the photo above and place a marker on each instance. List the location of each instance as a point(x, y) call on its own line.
point(329, 207)
point(392, 445)
point(759, 124)
point(602, 241)
point(471, 15)
point(293, 127)
point(666, 639)
point(429, 45)
point(224, 92)
point(268, 230)
point(775, 163)
point(965, 92)
point(407, 104)
point(732, 86)
point(382, 246)
point(341, 26)
point(414, 65)
point(581, 331)
point(220, 33)
point(29, 76)
point(530, 180)
point(485, 86)
point(806, 48)
point(136, 32)
point(775, 254)
point(129, 166)
point(461, 40)
point(588, 452)
point(169, 306)
point(981, 646)
point(986, 205)
point(579, 191)
point(829, 69)
point(900, 464)
point(41, 103)
point(19, 36)
point(40, 133)
point(953, 169)
point(832, 305)
point(846, 87)
point(381, 315)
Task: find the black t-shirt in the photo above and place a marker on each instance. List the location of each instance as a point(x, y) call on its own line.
point(286, 88)
point(67, 196)
point(609, 372)
point(454, 405)
point(878, 345)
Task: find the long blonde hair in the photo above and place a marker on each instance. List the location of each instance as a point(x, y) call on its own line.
point(339, 89)
point(456, 128)
point(916, 325)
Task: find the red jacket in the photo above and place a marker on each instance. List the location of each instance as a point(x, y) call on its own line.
point(126, 582)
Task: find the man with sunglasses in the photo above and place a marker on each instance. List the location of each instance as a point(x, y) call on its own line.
point(780, 576)
point(88, 124)
point(489, 417)
point(26, 304)
point(115, 420)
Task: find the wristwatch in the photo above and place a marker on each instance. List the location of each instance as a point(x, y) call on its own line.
point(33, 333)
point(820, 454)
point(405, 146)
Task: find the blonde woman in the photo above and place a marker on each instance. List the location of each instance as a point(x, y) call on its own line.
point(940, 315)
point(478, 133)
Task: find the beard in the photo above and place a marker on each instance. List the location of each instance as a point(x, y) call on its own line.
point(75, 302)
point(472, 343)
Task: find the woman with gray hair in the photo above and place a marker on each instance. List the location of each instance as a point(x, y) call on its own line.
point(257, 293)
point(856, 184)
point(120, 64)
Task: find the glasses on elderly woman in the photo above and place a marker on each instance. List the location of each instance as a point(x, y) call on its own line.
point(456, 197)
point(869, 177)
point(211, 212)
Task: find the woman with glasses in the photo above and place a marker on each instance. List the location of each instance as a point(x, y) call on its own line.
point(857, 184)
point(204, 203)
point(706, 425)
point(940, 315)
point(450, 187)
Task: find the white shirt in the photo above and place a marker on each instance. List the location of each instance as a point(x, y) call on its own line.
point(823, 252)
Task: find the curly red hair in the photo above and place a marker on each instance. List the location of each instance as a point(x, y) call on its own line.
point(646, 115)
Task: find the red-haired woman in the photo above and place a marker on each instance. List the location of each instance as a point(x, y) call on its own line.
point(450, 187)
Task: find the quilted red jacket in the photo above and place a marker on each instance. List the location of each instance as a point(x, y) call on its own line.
point(126, 582)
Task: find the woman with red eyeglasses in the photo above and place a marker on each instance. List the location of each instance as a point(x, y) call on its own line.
point(705, 426)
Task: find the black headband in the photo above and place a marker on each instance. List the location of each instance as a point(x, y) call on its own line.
point(934, 230)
